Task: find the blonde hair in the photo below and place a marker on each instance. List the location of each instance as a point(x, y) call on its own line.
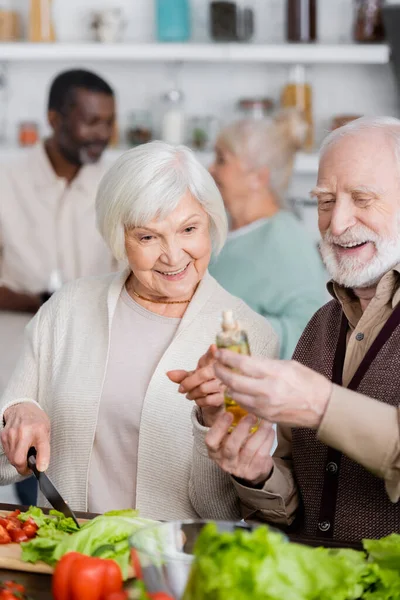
point(148, 182)
point(270, 143)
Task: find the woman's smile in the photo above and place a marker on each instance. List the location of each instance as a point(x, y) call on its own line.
point(175, 275)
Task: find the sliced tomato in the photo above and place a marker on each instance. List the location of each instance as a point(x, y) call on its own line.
point(3, 521)
point(13, 523)
point(160, 596)
point(15, 513)
point(18, 535)
point(4, 536)
point(30, 521)
point(30, 531)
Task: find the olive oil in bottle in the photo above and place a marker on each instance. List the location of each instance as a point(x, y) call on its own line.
point(232, 337)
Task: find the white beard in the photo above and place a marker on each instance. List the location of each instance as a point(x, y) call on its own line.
point(353, 273)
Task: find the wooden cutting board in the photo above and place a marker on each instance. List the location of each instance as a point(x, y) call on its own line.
point(10, 557)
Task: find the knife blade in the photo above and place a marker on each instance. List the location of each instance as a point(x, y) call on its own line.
point(48, 489)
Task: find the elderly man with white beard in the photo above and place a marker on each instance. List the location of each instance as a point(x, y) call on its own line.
point(336, 471)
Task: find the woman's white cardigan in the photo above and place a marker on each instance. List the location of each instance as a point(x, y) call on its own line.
point(63, 366)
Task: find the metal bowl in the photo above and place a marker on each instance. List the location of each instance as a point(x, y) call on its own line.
point(162, 555)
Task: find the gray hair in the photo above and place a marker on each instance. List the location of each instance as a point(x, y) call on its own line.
point(148, 183)
point(270, 143)
point(388, 125)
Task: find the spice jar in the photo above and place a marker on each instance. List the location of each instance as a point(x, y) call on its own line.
point(10, 25)
point(230, 22)
point(298, 94)
point(140, 128)
point(255, 108)
point(28, 133)
point(368, 24)
point(301, 20)
point(41, 27)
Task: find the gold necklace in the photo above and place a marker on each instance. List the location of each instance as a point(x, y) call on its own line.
point(161, 301)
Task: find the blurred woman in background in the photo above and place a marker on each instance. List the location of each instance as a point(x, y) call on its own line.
point(269, 260)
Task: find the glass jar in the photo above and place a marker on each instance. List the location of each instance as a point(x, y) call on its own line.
point(255, 108)
point(28, 133)
point(301, 21)
point(230, 22)
point(173, 20)
point(368, 22)
point(202, 132)
point(173, 119)
point(140, 128)
point(41, 28)
point(298, 94)
point(10, 22)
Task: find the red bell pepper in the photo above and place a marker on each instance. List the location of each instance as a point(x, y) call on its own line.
point(80, 577)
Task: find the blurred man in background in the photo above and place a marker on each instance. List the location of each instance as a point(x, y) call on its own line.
point(48, 233)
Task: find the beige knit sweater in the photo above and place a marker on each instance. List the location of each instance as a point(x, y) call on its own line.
point(63, 365)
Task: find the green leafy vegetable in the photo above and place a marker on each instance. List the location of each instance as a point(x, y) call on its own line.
point(262, 565)
point(55, 520)
point(105, 536)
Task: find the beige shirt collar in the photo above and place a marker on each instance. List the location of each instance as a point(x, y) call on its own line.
point(48, 178)
point(387, 291)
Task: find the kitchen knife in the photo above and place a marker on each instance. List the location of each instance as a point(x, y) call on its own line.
point(48, 489)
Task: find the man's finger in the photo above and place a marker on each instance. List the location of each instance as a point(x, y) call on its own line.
point(177, 376)
point(252, 366)
point(218, 432)
point(239, 383)
point(261, 437)
point(236, 440)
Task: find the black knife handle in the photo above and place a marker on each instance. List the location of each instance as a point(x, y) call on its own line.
point(32, 461)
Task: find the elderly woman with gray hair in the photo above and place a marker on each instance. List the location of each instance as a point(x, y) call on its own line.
point(91, 391)
point(269, 260)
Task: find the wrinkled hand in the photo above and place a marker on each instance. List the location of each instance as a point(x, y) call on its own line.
point(26, 426)
point(278, 391)
point(240, 453)
point(202, 386)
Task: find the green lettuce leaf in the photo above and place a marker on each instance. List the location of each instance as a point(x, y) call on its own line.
point(105, 536)
point(261, 565)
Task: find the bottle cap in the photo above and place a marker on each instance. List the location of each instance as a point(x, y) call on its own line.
point(228, 320)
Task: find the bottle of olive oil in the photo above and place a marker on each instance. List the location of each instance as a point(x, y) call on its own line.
point(232, 337)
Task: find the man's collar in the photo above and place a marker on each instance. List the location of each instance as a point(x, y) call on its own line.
point(87, 178)
point(388, 287)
